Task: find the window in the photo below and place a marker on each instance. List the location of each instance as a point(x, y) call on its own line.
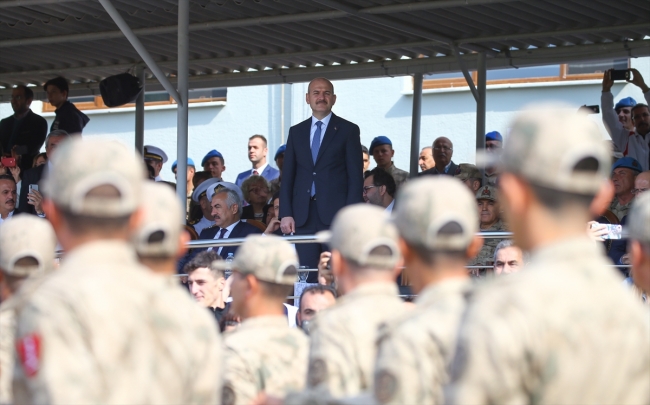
point(150, 98)
point(532, 74)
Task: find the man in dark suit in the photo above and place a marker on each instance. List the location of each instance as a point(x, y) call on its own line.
point(30, 200)
point(24, 132)
point(322, 172)
point(226, 209)
point(443, 150)
point(257, 151)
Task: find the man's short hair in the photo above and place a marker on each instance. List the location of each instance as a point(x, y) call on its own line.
point(506, 243)
point(59, 82)
point(258, 136)
point(381, 177)
point(8, 177)
point(55, 133)
point(364, 149)
point(639, 105)
point(232, 198)
point(204, 259)
point(317, 289)
point(29, 94)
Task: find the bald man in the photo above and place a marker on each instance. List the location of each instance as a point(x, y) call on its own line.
point(443, 150)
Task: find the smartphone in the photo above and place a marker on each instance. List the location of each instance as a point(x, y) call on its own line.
point(613, 231)
point(33, 187)
point(591, 109)
point(8, 162)
point(620, 74)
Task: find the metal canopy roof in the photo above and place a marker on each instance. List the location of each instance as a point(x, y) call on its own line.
point(247, 42)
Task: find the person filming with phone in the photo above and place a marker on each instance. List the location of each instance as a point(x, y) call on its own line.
point(632, 138)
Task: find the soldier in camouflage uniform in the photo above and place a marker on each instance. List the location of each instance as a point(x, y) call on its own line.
point(264, 353)
point(364, 259)
point(624, 172)
point(103, 328)
point(382, 151)
point(490, 221)
point(563, 330)
point(27, 245)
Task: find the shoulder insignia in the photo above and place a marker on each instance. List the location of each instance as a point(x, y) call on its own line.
point(211, 226)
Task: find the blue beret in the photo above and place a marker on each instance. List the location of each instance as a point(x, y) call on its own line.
point(281, 150)
point(190, 162)
point(378, 141)
point(493, 136)
point(627, 163)
point(211, 154)
point(625, 102)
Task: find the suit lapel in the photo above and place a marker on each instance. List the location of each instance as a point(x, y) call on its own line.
point(332, 128)
point(302, 141)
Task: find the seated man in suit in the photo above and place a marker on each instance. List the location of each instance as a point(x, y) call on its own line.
point(257, 151)
point(226, 209)
point(443, 150)
point(30, 200)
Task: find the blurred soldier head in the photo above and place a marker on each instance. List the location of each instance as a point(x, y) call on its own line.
point(470, 176)
point(425, 160)
point(508, 258)
point(205, 281)
point(264, 272)
point(313, 299)
point(27, 245)
point(160, 239)
point(364, 247)
point(488, 206)
point(437, 222)
point(555, 169)
point(639, 241)
point(93, 192)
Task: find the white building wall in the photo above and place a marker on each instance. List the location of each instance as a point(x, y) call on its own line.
point(379, 106)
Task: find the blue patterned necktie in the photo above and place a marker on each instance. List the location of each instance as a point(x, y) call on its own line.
point(315, 146)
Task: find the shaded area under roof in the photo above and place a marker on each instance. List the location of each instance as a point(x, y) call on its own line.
point(252, 42)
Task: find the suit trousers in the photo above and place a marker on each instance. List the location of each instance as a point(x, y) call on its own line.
point(309, 253)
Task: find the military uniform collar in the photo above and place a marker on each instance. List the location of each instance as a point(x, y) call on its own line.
point(367, 289)
point(566, 249)
point(266, 321)
point(102, 251)
point(438, 291)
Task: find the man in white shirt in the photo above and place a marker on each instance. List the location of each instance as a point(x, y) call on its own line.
point(635, 144)
point(257, 151)
point(379, 189)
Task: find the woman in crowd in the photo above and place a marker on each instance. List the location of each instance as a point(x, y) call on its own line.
point(257, 192)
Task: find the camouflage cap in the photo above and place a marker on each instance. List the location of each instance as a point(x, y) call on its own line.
point(358, 230)
point(24, 236)
point(552, 146)
point(269, 258)
point(487, 192)
point(467, 171)
point(81, 165)
point(639, 218)
point(162, 220)
point(437, 213)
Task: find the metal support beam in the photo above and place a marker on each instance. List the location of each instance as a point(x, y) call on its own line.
point(416, 119)
point(183, 90)
point(480, 106)
point(463, 68)
point(139, 111)
point(140, 49)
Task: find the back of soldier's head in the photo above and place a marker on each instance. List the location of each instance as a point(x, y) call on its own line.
point(559, 153)
point(27, 245)
point(271, 260)
point(365, 237)
point(160, 231)
point(436, 216)
point(95, 184)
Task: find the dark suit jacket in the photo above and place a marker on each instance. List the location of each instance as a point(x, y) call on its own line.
point(30, 136)
point(270, 173)
point(31, 176)
point(453, 167)
point(241, 230)
point(338, 172)
point(69, 118)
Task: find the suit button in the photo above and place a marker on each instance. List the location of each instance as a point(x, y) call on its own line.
point(314, 173)
point(309, 191)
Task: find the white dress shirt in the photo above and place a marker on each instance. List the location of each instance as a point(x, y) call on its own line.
point(226, 235)
point(260, 170)
point(389, 209)
point(202, 224)
point(11, 214)
point(323, 128)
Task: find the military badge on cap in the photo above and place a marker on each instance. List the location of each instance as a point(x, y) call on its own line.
point(154, 153)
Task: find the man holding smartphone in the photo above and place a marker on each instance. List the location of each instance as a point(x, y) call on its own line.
point(633, 143)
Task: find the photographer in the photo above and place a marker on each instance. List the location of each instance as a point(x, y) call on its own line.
point(631, 143)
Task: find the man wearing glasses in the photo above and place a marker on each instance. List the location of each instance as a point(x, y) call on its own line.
point(443, 150)
point(22, 134)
